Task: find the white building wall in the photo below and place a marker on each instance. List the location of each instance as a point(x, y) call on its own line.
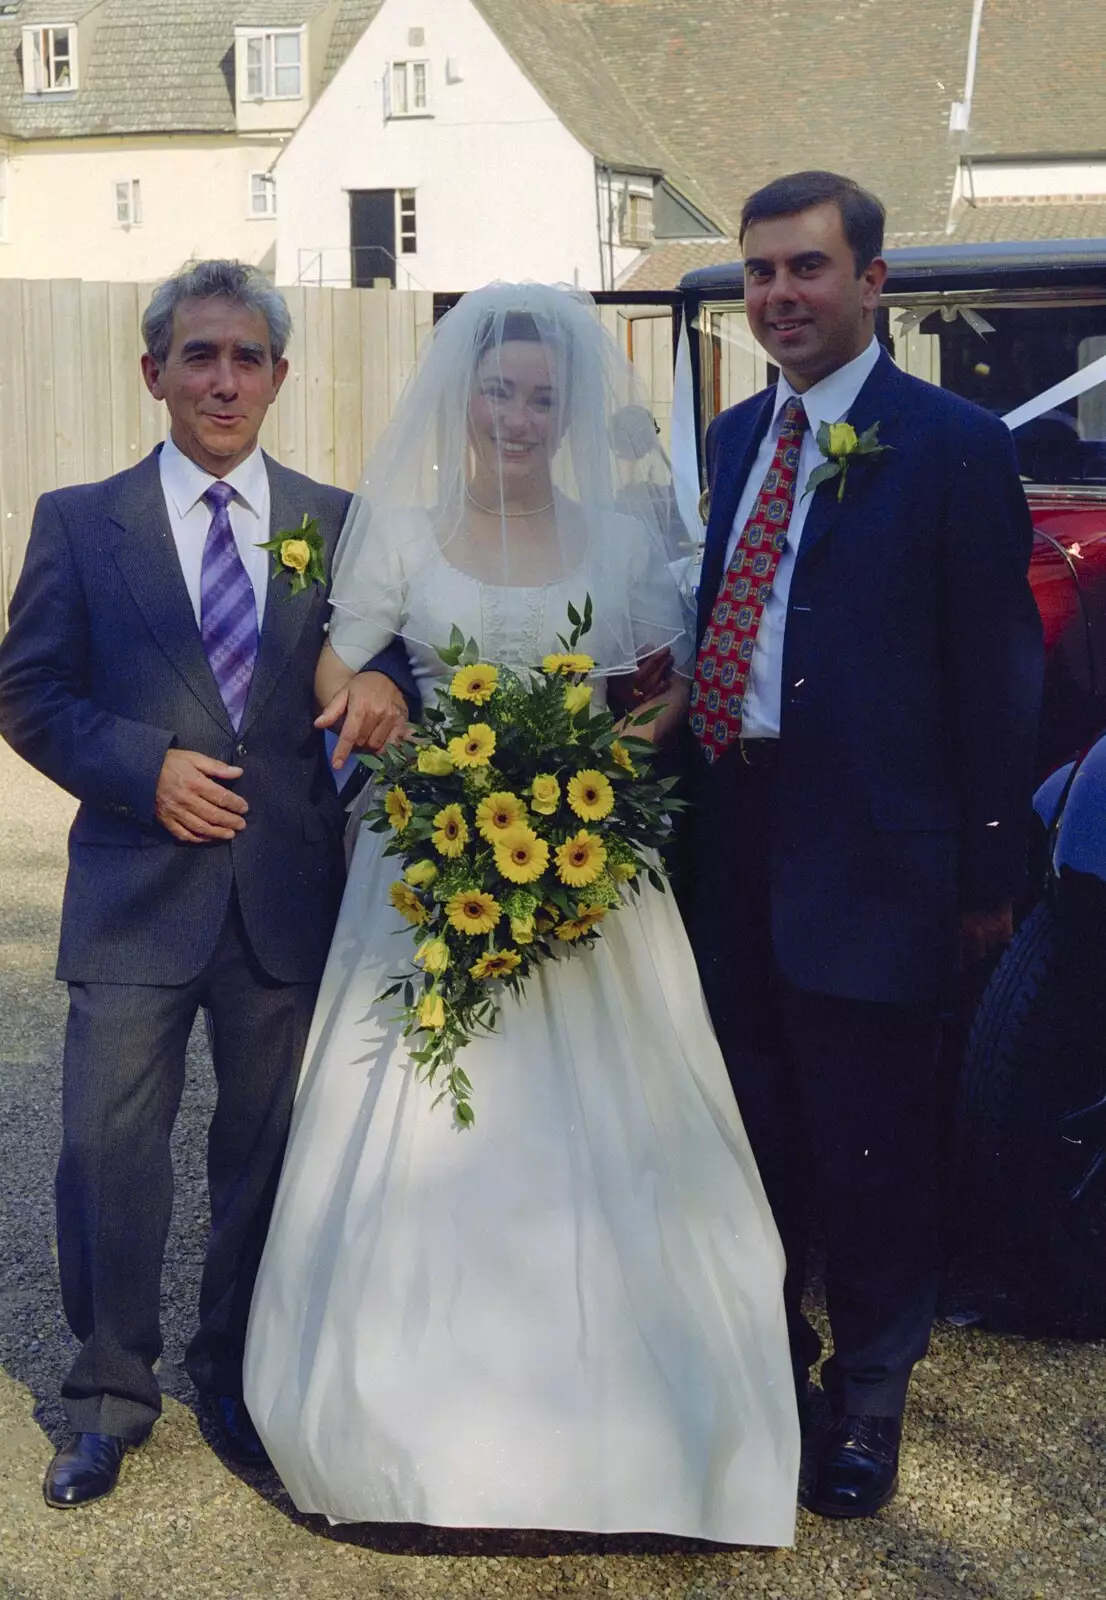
point(503, 190)
point(1054, 181)
point(61, 220)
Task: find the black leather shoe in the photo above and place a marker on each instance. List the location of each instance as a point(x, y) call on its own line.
point(236, 1431)
point(858, 1467)
point(85, 1469)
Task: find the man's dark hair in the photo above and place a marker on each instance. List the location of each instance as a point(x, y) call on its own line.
point(862, 215)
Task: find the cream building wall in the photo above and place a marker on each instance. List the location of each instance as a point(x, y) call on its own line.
point(502, 189)
point(195, 197)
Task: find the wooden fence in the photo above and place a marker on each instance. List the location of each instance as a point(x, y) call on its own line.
point(73, 407)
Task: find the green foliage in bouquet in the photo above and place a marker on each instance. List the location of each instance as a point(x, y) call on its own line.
point(521, 818)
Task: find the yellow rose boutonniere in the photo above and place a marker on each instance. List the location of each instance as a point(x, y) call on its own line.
point(840, 443)
point(301, 553)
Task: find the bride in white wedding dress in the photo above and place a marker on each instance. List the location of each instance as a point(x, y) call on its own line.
point(569, 1316)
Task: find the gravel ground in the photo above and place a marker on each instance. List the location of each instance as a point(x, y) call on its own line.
point(1004, 1482)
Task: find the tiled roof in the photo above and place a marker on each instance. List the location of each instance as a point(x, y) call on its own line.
point(748, 89)
point(664, 265)
point(350, 23)
point(977, 224)
point(155, 66)
point(1039, 82)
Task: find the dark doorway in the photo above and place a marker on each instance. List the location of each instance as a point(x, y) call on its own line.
point(372, 236)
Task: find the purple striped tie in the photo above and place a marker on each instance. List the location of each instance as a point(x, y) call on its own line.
point(228, 614)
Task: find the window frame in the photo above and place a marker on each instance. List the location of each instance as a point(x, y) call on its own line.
point(630, 237)
point(269, 189)
point(132, 187)
point(407, 66)
point(403, 233)
point(268, 66)
point(43, 63)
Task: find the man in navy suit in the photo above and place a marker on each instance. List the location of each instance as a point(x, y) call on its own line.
point(159, 666)
point(864, 723)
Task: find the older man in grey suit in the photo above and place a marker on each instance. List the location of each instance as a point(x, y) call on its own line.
point(159, 668)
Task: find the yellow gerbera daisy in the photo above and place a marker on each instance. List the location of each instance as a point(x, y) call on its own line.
point(432, 1011)
point(567, 663)
point(435, 762)
point(577, 696)
point(433, 955)
point(474, 748)
point(452, 831)
point(496, 964)
point(621, 757)
point(545, 794)
point(421, 874)
point(583, 922)
point(476, 683)
point(408, 904)
point(590, 795)
point(580, 859)
point(472, 911)
point(398, 808)
point(520, 855)
point(496, 814)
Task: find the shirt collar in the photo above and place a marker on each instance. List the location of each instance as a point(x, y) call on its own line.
point(186, 483)
point(831, 398)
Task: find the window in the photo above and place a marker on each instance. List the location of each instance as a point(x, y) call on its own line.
point(128, 203)
point(273, 62)
point(637, 220)
point(408, 237)
point(49, 60)
point(408, 83)
point(262, 194)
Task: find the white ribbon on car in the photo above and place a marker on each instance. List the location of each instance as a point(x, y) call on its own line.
point(907, 321)
point(1067, 389)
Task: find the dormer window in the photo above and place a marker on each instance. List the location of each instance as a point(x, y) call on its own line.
point(406, 89)
point(274, 63)
point(49, 59)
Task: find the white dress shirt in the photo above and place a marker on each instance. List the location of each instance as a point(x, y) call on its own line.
point(184, 484)
point(827, 401)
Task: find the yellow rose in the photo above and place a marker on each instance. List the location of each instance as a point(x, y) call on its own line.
point(432, 1011)
point(421, 874)
point(296, 553)
point(435, 762)
point(842, 439)
point(623, 871)
point(577, 697)
point(522, 930)
point(433, 955)
point(545, 794)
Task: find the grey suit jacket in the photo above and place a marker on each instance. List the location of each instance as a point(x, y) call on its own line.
point(103, 669)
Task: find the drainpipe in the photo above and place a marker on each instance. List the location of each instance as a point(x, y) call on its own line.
point(960, 113)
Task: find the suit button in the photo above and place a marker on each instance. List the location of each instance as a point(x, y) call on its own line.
point(239, 751)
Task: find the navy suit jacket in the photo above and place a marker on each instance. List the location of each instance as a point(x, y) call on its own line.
point(102, 670)
point(912, 672)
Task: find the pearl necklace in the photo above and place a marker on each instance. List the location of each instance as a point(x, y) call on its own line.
point(499, 511)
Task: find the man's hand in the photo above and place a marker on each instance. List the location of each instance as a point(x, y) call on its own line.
point(984, 933)
point(372, 711)
point(627, 691)
point(191, 804)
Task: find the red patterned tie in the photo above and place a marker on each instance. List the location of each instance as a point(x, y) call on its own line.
point(726, 653)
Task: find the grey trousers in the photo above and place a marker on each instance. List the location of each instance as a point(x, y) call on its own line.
point(123, 1080)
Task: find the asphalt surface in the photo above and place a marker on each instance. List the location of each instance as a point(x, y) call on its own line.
point(1004, 1474)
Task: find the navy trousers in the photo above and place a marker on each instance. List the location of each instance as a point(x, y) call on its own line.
point(839, 1099)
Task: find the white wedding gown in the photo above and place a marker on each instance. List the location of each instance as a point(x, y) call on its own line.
point(568, 1316)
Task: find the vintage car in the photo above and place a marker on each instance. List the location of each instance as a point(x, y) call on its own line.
point(1021, 330)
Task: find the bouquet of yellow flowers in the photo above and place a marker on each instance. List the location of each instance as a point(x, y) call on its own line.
point(521, 818)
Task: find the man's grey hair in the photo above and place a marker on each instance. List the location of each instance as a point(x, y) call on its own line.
point(215, 280)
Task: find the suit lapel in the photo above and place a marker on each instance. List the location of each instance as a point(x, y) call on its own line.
point(147, 557)
point(285, 612)
point(878, 401)
point(731, 473)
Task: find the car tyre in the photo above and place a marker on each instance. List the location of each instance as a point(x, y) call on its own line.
point(1032, 1186)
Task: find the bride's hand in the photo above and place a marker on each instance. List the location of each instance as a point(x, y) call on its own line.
point(372, 712)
